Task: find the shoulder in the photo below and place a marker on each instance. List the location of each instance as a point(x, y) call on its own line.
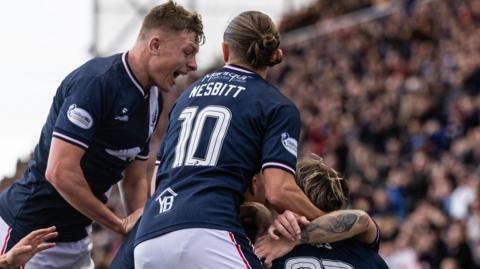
point(96, 74)
point(96, 69)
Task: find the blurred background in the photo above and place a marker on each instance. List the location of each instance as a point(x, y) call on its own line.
point(388, 93)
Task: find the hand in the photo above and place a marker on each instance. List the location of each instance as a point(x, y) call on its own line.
point(131, 220)
point(288, 225)
point(268, 249)
point(31, 244)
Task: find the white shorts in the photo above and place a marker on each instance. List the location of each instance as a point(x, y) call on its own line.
point(196, 248)
point(72, 255)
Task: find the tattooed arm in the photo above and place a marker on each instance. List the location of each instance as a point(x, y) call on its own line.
point(334, 226)
point(340, 225)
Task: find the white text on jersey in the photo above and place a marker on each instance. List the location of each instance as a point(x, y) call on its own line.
point(216, 89)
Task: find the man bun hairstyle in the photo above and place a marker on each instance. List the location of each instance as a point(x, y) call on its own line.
point(254, 38)
point(173, 17)
point(322, 184)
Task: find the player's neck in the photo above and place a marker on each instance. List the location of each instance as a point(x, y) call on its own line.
point(138, 69)
point(262, 72)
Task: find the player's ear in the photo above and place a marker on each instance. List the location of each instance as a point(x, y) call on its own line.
point(226, 51)
point(277, 56)
point(154, 45)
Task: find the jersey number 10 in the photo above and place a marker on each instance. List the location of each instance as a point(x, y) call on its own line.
point(222, 116)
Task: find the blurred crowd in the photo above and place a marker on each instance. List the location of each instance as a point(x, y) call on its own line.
point(394, 105)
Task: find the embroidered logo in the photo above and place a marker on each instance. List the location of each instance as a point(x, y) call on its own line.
point(80, 117)
point(289, 143)
point(165, 200)
point(123, 115)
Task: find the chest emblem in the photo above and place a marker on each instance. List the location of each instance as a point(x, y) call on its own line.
point(123, 115)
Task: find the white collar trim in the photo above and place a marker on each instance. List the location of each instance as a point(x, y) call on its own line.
point(127, 68)
point(238, 69)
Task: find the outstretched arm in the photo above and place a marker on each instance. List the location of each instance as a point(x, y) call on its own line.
point(24, 250)
point(335, 226)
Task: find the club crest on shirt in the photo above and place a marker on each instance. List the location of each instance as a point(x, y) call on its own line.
point(79, 116)
point(290, 144)
point(165, 200)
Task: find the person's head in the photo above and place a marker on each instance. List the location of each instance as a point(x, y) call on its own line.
point(322, 184)
point(168, 42)
point(252, 40)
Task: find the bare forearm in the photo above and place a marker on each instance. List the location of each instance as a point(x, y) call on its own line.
point(134, 194)
point(284, 194)
point(74, 189)
point(294, 199)
point(335, 226)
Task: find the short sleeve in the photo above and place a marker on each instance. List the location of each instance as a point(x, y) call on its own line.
point(144, 154)
point(281, 140)
point(81, 112)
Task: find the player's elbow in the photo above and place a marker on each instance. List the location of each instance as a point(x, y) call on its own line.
point(53, 175)
point(56, 175)
point(363, 220)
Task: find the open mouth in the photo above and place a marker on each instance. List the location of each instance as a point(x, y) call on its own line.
point(176, 74)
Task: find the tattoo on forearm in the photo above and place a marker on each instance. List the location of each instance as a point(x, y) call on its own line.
point(342, 222)
point(305, 234)
point(328, 225)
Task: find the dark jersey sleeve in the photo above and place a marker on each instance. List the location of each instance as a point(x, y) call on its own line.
point(375, 245)
point(81, 112)
point(280, 142)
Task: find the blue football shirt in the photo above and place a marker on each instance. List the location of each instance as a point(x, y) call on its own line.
point(346, 254)
point(222, 130)
point(101, 108)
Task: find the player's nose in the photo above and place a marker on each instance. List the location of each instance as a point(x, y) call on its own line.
point(192, 64)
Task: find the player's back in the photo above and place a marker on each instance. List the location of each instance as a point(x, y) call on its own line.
point(222, 130)
point(346, 254)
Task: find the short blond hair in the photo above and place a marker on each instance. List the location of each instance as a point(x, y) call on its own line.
point(173, 17)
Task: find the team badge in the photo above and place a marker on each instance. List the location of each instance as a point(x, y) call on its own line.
point(79, 117)
point(290, 144)
point(165, 200)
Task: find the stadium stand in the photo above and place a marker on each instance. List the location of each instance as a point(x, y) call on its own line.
point(393, 104)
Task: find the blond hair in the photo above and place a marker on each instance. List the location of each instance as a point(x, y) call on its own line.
point(173, 17)
point(322, 184)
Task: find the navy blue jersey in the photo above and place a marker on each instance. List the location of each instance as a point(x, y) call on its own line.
point(345, 254)
point(101, 108)
point(222, 130)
